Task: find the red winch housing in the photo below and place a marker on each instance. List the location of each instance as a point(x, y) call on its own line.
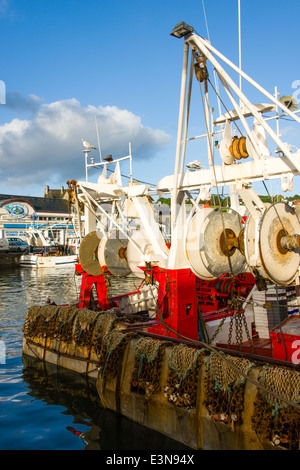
point(182, 297)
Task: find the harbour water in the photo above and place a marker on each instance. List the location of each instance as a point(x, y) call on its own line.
point(45, 408)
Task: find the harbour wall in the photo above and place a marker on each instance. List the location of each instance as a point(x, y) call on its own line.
point(9, 259)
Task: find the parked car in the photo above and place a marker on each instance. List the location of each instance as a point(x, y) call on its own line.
point(4, 244)
point(13, 244)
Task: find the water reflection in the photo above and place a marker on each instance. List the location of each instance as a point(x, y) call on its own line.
point(98, 428)
point(41, 406)
point(21, 288)
point(61, 285)
point(78, 395)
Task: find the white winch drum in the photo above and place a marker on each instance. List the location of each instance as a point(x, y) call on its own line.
point(279, 264)
point(136, 257)
point(112, 253)
point(100, 253)
point(205, 232)
point(251, 250)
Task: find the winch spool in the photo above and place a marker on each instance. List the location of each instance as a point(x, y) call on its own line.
point(136, 257)
point(250, 245)
point(213, 243)
point(272, 246)
point(112, 254)
point(280, 262)
point(88, 256)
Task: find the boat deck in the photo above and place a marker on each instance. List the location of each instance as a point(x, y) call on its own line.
point(261, 347)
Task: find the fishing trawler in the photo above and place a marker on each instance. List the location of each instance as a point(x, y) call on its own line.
point(207, 349)
point(43, 252)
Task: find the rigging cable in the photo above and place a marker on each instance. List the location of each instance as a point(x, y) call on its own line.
point(214, 71)
point(134, 179)
point(218, 95)
point(217, 188)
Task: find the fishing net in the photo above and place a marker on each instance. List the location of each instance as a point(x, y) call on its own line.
point(224, 387)
point(84, 325)
point(147, 366)
point(277, 420)
point(111, 354)
point(182, 382)
point(103, 325)
point(68, 323)
point(64, 323)
point(33, 322)
point(48, 321)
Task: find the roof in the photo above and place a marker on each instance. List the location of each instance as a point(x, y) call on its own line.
point(39, 204)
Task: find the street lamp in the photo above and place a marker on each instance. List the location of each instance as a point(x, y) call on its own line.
point(181, 29)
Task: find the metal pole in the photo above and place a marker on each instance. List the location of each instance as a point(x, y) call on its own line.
point(179, 134)
point(99, 148)
point(207, 119)
point(130, 161)
point(86, 165)
point(86, 169)
point(240, 42)
point(277, 115)
point(187, 116)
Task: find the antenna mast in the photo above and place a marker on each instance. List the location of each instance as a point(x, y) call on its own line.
point(240, 41)
point(98, 139)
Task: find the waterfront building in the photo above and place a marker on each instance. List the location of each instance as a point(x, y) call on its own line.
point(20, 215)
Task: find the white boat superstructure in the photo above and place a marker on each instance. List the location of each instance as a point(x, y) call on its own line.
point(44, 253)
point(51, 261)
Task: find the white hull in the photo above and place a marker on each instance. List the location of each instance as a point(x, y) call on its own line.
point(40, 261)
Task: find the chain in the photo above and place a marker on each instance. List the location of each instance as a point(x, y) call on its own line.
point(238, 329)
point(230, 329)
point(238, 317)
point(247, 331)
point(220, 326)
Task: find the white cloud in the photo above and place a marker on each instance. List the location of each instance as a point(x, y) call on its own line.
point(6, 9)
point(47, 149)
point(3, 7)
point(16, 101)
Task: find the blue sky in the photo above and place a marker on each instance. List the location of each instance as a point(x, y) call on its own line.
point(65, 62)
